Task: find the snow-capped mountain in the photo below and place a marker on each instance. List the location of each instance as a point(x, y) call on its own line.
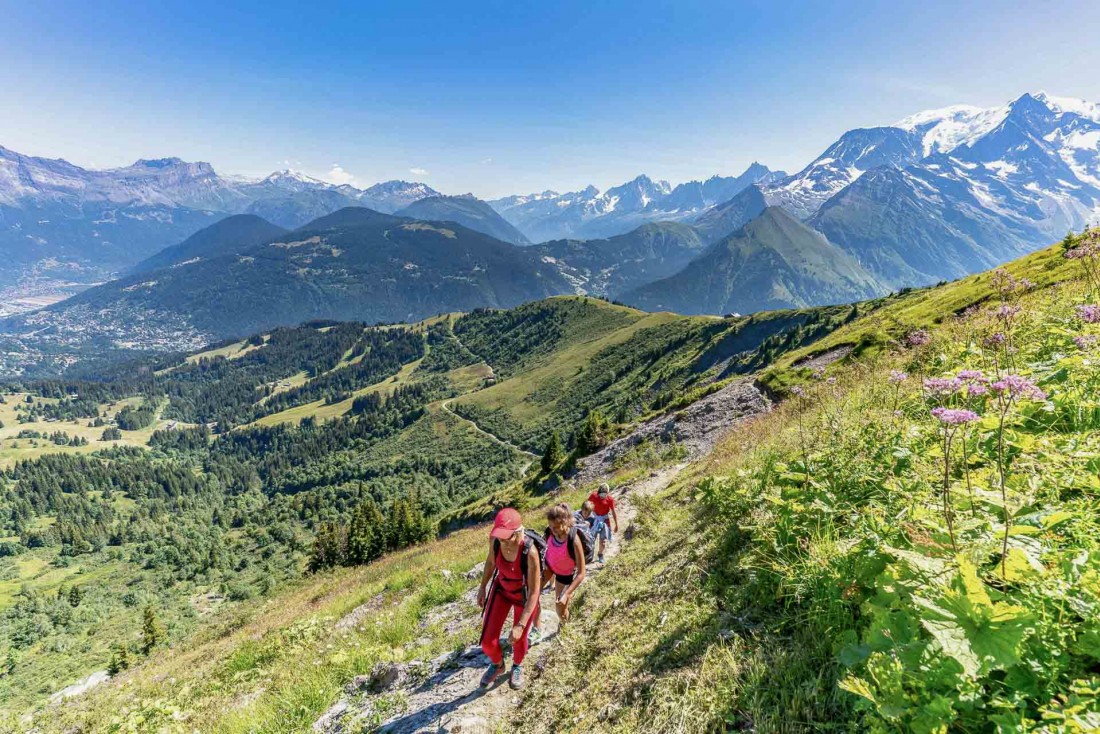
point(60, 220)
point(591, 213)
point(996, 183)
point(389, 196)
point(953, 190)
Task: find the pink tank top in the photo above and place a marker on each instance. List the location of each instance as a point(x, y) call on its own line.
point(558, 558)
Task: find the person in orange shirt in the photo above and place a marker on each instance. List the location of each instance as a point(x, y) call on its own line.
point(603, 505)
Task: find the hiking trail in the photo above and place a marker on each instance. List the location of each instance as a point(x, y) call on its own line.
point(445, 405)
point(443, 695)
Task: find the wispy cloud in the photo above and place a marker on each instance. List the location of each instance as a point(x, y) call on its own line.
point(486, 161)
point(418, 171)
point(338, 175)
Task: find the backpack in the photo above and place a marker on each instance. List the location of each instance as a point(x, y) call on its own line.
point(529, 537)
point(588, 543)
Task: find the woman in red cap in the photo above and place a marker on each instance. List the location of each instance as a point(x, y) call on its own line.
point(514, 567)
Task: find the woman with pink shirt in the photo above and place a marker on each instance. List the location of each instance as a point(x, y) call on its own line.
point(564, 557)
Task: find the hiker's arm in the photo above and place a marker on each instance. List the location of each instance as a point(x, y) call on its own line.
point(615, 517)
point(486, 574)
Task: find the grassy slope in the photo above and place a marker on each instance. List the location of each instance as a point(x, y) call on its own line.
point(272, 666)
point(615, 359)
point(897, 315)
point(692, 605)
point(750, 595)
point(13, 449)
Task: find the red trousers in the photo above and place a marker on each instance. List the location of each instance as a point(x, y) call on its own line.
point(496, 611)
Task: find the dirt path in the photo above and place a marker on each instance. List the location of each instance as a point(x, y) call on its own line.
point(446, 406)
point(443, 695)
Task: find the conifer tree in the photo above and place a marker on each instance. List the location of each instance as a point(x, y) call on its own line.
point(329, 547)
point(554, 454)
point(366, 541)
point(152, 632)
point(593, 434)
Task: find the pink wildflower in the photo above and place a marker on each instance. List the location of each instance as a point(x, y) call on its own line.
point(954, 416)
point(994, 340)
point(943, 385)
point(971, 375)
point(897, 376)
point(1007, 312)
point(798, 391)
point(1085, 342)
point(1017, 386)
point(1089, 313)
point(918, 338)
point(977, 389)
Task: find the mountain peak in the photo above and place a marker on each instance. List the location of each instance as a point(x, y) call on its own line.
point(290, 175)
point(157, 162)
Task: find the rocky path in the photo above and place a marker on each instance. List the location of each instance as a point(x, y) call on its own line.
point(443, 695)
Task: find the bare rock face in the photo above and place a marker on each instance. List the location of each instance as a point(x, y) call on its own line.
point(696, 428)
point(475, 573)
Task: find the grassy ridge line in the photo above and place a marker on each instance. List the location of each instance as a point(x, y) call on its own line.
point(890, 318)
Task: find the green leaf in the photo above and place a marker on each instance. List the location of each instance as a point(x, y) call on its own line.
point(858, 686)
point(1020, 566)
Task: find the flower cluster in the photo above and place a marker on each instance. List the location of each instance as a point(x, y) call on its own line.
point(994, 340)
point(954, 416)
point(1008, 284)
point(918, 338)
point(1085, 342)
point(1017, 386)
point(1006, 312)
point(943, 385)
point(1089, 313)
point(1088, 249)
point(897, 377)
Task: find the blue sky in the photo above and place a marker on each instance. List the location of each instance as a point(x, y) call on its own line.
point(498, 98)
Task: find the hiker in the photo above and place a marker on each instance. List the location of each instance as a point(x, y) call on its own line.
point(565, 556)
point(603, 505)
point(513, 565)
point(573, 539)
point(585, 514)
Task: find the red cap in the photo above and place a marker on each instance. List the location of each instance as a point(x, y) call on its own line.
point(507, 523)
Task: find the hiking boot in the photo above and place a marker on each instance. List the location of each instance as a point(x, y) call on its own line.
point(491, 674)
point(534, 637)
point(599, 560)
point(516, 679)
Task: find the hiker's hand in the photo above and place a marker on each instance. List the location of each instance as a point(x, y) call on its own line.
point(517, 634)
point(481, 597)
point(566, 598)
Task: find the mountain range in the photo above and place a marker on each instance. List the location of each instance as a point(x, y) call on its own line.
point(82, 225)
point(934, 196)
point(773, 262)
point(353, 264)
point(946, 192)
point(592, 214)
